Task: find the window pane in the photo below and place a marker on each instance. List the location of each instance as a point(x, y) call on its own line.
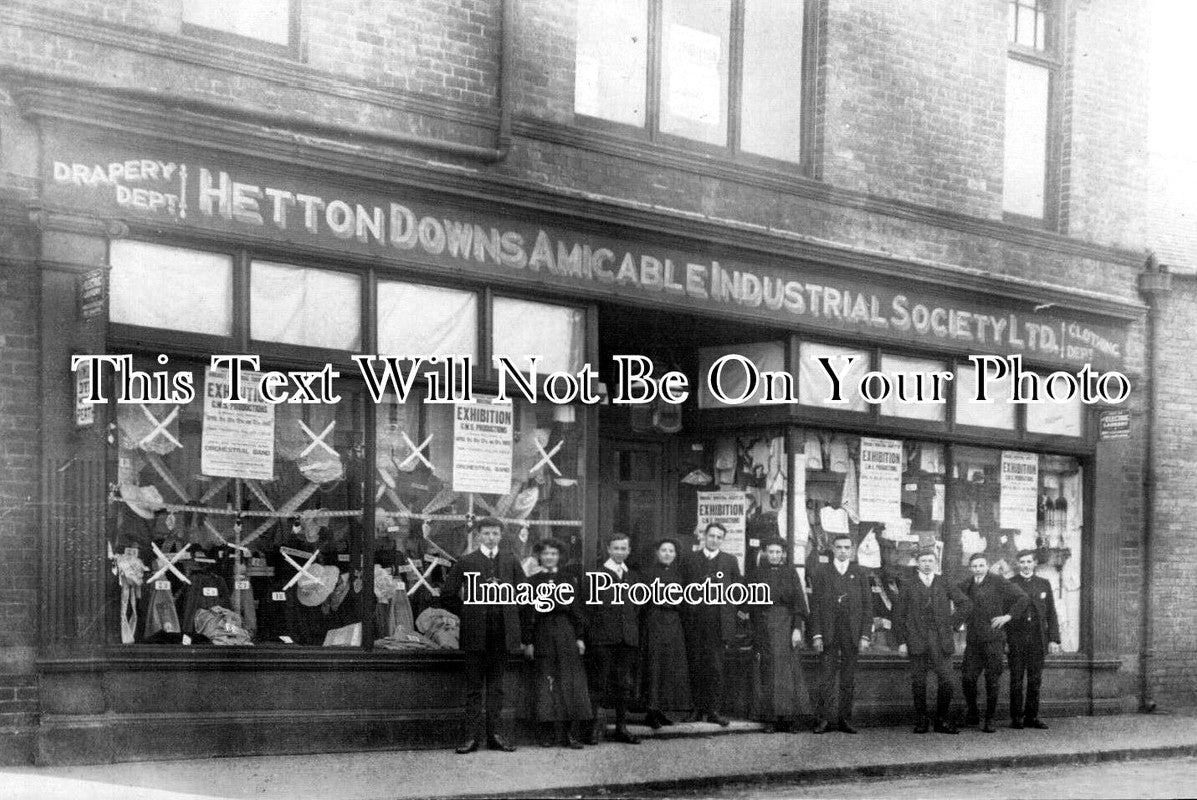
point(1057, 419)
point(1026, 138)
point(297, 305)
point(268, 20)
point(771, 100)
point(694, 59)
point(200, 456)
point(416, 320)
point(814, 384)
point(611, 70)
point(172, 288)
point(733, 378)
point(996, 414)
point(910, 409)
point(1026, 25)
point(521, 328)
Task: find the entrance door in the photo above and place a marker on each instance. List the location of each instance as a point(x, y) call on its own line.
point(634, 497)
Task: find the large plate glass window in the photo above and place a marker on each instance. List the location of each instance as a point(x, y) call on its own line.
point(303, 306)
point(417, 320)
point(815, 387)
point(171, 288)
point(522, 328)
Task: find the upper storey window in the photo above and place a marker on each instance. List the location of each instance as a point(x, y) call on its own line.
point(270, 22)
point(1030, 70)
point(726, 74)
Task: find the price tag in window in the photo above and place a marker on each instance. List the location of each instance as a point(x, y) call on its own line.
point(754, 542)
point(286, 640)
point(392, 529)
point(241, 586)
point(162, 585)
point(343, 557)
point(210, 591)
point(278, 597)
point(824, 559)
point(186, 639)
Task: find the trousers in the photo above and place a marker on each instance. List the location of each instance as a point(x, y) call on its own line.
point(932, 661)
point(838, 659)
point(609, 667)
point(982, 657)
point(484, 682)
point(1026, 661)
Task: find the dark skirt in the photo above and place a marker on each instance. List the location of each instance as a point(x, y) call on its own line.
point(783, 686)
point(559, 678)
point(665, 670)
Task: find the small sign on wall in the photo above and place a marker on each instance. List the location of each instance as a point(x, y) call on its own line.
point(85, 413)
point(1114, 424)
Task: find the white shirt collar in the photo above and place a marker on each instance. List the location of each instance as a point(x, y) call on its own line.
point(491, 553)
point(840, 566)
point(710, 554)
point(927, 579)
point(618, 569)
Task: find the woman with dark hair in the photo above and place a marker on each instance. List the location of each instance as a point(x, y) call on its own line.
point(552, 640)
point(777, 633)
point(663, 644)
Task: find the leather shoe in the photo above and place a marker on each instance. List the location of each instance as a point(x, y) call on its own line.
point(495, 742)
point(1016, 724)
point(622, 735)
point(922, 726)
point(664, 720)
point(972, 719)
point(987, 727)
point(653, 720)
point(821, 726)
point(943, 726)
point(1037, 724)
point(572, 743)
point(721, 721)
point(468, 746)
point(844, 727)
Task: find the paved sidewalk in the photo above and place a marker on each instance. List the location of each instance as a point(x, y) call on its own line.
point(692, 761)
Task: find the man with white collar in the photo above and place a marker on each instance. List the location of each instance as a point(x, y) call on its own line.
point(709, 628)
point(488, 633)
point(841, 624)
point(613, 642)
point(1031, 637)
point(995, 601)
point(927, 610)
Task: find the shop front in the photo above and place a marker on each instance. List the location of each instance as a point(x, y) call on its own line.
point(236, 578)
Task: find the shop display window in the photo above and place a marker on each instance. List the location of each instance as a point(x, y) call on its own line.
point(908, 408)
point(423, 522)
point(1003, 501)
point(302, 306)
point(238, 525)
point(555, 333)
point(155, 286)
point(419, 320)
point(814, 384)
point(1057, 419)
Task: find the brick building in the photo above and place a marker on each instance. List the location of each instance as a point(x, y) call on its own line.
point(904, 182)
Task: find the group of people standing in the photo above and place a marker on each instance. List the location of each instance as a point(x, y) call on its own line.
point(585, 656)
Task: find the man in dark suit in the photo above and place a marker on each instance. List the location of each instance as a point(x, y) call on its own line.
point(709, 628)
point(995, 602)
point(613, 639)
point(927, 610)
point(1030, 637)
point(841, 624)
point(489, 631)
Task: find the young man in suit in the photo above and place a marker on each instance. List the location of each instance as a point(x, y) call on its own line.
point(1030, 636)
point(995, 602)
point(709, 628)
point(613, 641)
point(488, 633)
point(841, 624)
point(927, 610)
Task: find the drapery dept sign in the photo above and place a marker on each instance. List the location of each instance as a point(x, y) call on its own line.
point(198, 195)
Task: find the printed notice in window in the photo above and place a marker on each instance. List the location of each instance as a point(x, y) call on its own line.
point(482, 446)
point(1020, 492)
point(694, 87)
point(238, 438)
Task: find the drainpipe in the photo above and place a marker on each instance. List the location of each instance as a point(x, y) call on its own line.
point(291, 123)
point(1155, 282)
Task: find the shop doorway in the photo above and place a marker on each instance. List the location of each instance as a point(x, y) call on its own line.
point(634, 495)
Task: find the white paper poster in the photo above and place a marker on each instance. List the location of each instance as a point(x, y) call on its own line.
point(1020, 491)
point(482, 446)
point(238, 438)
point(85, 413)
point(729, 509)
point(880, 479)
point(694, 85)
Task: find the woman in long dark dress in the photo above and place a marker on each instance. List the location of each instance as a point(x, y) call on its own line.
point(663, 645)
point(552, 640)
point(777, 633)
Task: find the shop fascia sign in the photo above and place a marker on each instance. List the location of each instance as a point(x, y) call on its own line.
point(203, 193)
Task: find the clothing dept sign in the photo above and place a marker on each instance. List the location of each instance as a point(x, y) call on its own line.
point(203, 191)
